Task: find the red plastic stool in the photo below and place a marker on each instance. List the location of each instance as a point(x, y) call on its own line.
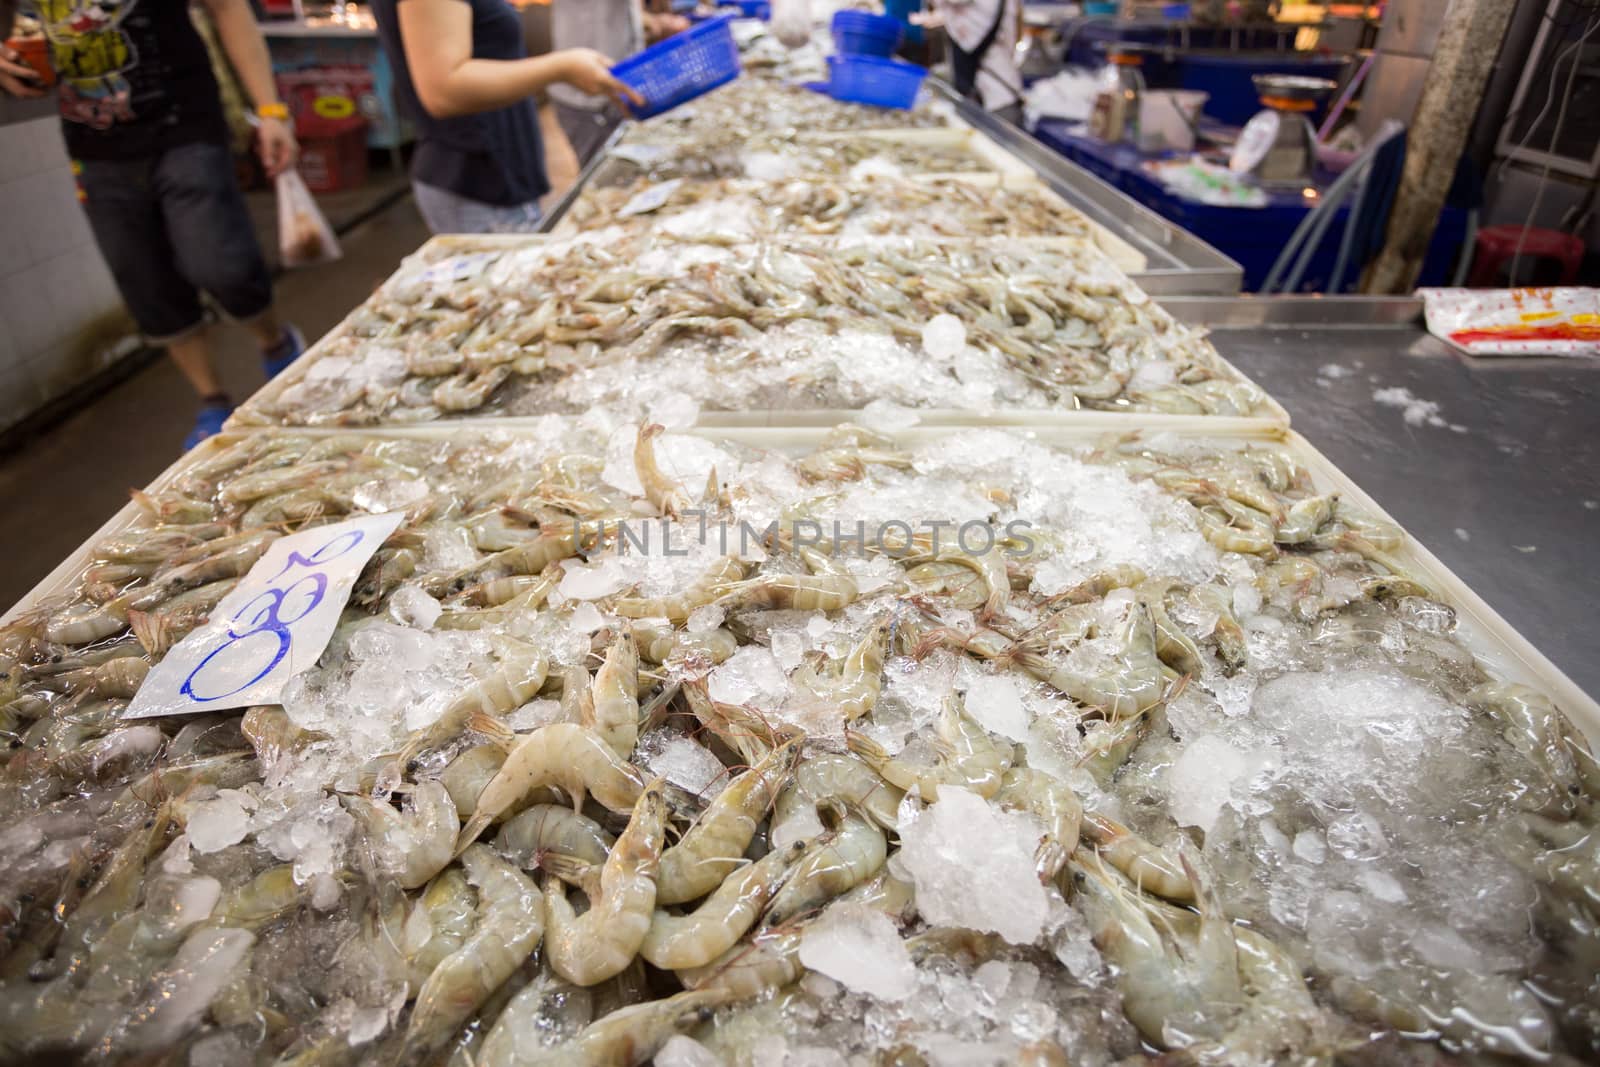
point(1497, 245)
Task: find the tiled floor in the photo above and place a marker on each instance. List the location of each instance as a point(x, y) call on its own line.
point(61, 486)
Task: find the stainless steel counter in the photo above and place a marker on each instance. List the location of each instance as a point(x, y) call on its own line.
point(1510, 502)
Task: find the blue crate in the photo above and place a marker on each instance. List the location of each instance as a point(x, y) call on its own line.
point(858, 33)
point(682, 67)
point(870, 80)
point(753, 9)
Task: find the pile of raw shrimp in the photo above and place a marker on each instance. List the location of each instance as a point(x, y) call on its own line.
point(624, 750)
point(878, 205)
point(604, 319)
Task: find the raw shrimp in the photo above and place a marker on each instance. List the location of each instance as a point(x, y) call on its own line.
point(465, 776)
point(967, 757)
point(439, 924)
point(664, 645)
point(590, 948)
point(860, 679)
point(1173, 646)
point(613, 709)
point(1053, 803)
point(1150, 868)
point(665, 494)
point(562, 754)
point(627, 1037)
point(514, 681)
point(1533, 725)
point(712, 847)
point(412, 847)
point(822, 590)
point(511, 921)
point(834, 781)
point(543, 828)
point(1133, 684)
point(678, 607)
point(833, 864)
point(465, 392)
point(676, 942)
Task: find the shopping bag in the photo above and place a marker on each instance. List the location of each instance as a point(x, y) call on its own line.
point(791, 22)
point(304, 236)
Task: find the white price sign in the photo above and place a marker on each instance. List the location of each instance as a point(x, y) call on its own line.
point(271, 627)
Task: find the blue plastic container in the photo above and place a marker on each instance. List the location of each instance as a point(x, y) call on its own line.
point(857, 33)
point(682, 67)
point(751, 9)
point(871, 80)
point(1100, 7)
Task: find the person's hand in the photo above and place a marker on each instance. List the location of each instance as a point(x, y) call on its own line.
point(16, 77)
point(589, 72)
point(276, 145)
point(661, 26)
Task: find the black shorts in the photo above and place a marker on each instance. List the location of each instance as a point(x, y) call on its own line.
point(170, 227)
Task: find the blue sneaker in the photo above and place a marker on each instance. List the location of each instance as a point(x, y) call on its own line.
point(208, 422)
point(277, 358)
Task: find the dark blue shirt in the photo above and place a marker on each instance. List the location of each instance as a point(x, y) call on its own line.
point(495, 157)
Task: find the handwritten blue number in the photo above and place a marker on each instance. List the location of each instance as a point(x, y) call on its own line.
point(265, 614)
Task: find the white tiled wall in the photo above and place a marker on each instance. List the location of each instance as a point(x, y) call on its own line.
point(55, 292)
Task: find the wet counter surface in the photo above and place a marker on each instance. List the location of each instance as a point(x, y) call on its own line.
point(1506, 492)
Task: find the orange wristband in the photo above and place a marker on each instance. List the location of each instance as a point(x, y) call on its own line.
point(273, 111)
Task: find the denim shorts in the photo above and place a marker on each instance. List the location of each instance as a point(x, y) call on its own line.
point(170, 227)
point(447, 212)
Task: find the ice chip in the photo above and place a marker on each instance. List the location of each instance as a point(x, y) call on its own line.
point(944, 336)
point(973, 867)
point(592, 581)
point(994, 702)
point(683, 1051)
point(218, 823)
point(1358, 836)
point(705, 618)
point(1309, 846)
point(860, 947)
point(888, 416)
point(1201, 779)
point(788, 648)
point(586, 619)
point(682, 761)
point(410, 606)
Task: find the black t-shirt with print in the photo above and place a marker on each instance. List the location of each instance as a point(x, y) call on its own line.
point(134, 76)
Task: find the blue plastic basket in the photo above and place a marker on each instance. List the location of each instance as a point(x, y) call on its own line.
point(754, 9)
point(857, 33)
point(870, 80)
point(682, 67)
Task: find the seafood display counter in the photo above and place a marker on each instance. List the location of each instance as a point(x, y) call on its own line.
point(1060, 704)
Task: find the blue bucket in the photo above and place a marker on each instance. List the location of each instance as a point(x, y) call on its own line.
point(870, 80)
point(857, 33)
point(682, 67)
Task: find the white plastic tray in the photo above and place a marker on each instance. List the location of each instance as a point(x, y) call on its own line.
point(1501, 650)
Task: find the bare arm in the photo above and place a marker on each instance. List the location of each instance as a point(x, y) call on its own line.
point(247, 51)
point(437, 38)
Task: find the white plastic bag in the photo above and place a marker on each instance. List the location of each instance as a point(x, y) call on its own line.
point(304, 236)
point(791, 22)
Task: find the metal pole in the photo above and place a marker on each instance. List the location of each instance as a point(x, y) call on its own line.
point(1462, 60)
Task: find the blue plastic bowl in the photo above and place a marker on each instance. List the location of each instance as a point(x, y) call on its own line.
point(857, 33)
point(870, 80)
point(682, 67)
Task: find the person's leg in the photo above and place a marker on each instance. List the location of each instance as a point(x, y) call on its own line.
point(192, 354)
point(216, 247)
